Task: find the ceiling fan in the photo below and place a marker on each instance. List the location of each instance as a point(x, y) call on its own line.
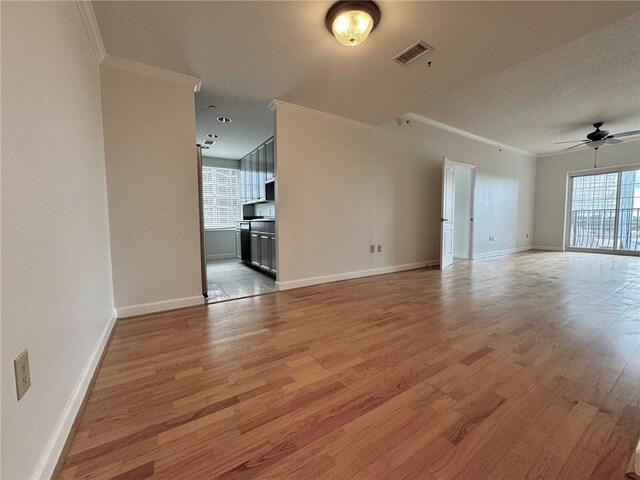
point(598, 138)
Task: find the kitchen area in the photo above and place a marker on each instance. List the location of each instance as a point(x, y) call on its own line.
point(252, 266)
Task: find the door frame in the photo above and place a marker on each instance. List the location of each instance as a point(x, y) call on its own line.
point(471, 203)
point(203, 255)
point(567, 209)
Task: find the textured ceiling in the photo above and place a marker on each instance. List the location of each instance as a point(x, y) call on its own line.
point(248, 53)
point(556, 96)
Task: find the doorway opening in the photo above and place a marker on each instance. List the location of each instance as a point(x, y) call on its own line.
point(462, 217)
point(237, 202)
point(456, 236)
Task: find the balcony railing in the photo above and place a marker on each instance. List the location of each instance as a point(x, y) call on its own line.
point(595, 229)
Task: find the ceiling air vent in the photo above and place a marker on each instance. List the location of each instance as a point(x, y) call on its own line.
point(414, 51)
point(209, 142)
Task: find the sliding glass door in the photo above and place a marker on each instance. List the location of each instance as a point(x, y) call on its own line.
point(628, 238)
point(604, 211)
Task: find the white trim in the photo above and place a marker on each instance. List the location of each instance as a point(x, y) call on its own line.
point(49, 458)
point(547, 249)
point(220, 256)
point(151, 71)
point(633, 138)
point(153, 307)
point(499, 253)
point(93, 30)
point(443, 126)
point(280, 105)
point(305, 282)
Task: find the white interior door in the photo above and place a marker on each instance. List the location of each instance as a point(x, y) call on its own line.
point(446, 220)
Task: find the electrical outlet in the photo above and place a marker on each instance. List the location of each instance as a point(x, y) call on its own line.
point(379, 248)
point(23, 377)
point(372, 248)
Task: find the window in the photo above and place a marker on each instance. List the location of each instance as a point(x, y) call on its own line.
point(221, 197)
point(605, 211)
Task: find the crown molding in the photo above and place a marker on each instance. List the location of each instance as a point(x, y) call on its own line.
point(151, 71)
point(630, 139)
point(443, 126)
point(93, 30)
point(280, 105)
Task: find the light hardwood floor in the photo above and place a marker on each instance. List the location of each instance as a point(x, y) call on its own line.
point(517, 367)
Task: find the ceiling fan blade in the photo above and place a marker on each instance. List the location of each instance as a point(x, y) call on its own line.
point(613, 141)
point(570, 141)
point(574, 146)
point(625, 134)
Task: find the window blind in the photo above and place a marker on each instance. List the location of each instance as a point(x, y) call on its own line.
point(221, 197)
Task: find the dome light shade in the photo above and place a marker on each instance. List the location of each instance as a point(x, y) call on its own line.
point(351, 22)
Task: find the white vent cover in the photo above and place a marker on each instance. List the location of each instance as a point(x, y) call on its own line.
point(415, 51)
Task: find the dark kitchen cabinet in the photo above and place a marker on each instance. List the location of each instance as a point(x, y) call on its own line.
point(243, 180)
point(263, 247)
point(255, 189)
point(262, 171)
point(270, 162)
point(272, 252)
point(265, 251)
point(238, 243)
point(257, 171)
point(255, 249)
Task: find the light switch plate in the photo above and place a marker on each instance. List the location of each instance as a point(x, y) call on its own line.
point(23, 377)
point(379, 248)
point(372, 249)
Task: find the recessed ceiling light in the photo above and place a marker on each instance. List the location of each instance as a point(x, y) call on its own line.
point(212, 106)
point(213, 135)
point(351, 22)
point(224, 119)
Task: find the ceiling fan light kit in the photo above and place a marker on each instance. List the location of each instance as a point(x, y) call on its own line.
point(351, 21)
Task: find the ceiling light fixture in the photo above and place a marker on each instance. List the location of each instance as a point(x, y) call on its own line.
point(224, 119)
point(351, 22)
point(213, 135)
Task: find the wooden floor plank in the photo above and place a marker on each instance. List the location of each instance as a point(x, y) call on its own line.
point(526, 366)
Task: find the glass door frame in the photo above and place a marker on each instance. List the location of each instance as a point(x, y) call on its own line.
point(567, 215)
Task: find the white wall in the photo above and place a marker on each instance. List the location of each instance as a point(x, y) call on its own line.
point(461, 211)
point(220, 244)
point(57, 299)
point(551, 185)
point(341, 187)
point(149, 131)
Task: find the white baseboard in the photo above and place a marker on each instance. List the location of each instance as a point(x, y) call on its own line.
point(499, 253)
point(306, 282)
point(49, 458)
point(153, 307)
point(548, 249)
